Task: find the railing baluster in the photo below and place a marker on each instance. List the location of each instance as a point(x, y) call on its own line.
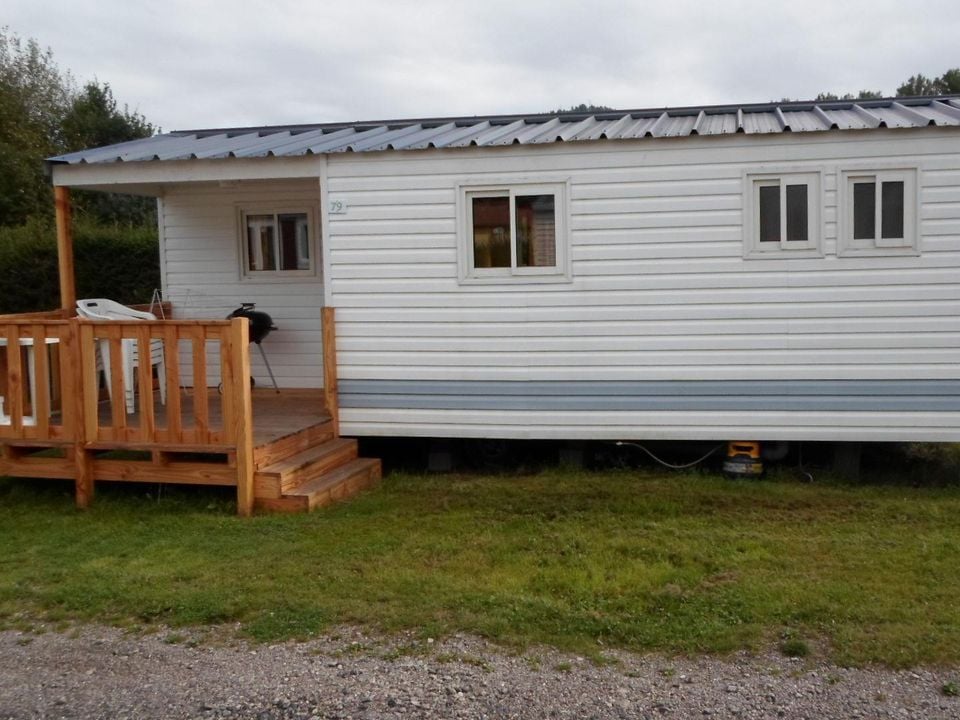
point(118, 403)
point(147, 427)
point(226, 382)
point(201, 409)
point(84, 376)
point(14, 380)
point(171, 358)
point(41, 381)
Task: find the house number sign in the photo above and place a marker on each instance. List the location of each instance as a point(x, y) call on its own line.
point(337, 207)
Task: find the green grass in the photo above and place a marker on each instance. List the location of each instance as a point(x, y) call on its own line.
point(584, 562)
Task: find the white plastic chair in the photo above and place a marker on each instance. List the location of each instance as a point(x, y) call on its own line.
point(103, 309)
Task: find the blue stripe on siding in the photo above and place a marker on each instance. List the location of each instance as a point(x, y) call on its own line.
point(704, 395)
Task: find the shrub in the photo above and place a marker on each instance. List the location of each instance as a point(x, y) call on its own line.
point(121, 263)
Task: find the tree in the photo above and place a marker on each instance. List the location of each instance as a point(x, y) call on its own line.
point(34, 96)
point(582, 108)
point(43, 114)
point(94, 120)
point(862, 95)
point(918, 85)
point(949, 82)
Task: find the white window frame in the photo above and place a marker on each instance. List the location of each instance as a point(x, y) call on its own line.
point(313, 227)
point(813, 245)
point(469, 274)
point(909, 244)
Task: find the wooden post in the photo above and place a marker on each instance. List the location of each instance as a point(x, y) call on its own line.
point(78, 376)
point(241, 431)
point(68, 287)
point(330, 395)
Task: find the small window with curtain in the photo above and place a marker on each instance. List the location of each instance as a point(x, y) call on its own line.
point(879, 215)
point(513, 232)
point(277, 243)
point(782, 214)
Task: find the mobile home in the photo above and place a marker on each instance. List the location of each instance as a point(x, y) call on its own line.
point(786, 271)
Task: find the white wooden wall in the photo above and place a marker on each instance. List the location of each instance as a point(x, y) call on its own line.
point(660, 288)
point(201, 273)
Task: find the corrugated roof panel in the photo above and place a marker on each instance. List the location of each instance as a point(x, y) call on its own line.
point(636, 129)
point(676, 126)
point(491, 135)
point(543, 132)
point(893, 117)
point(448, 138)
point(717, 124)
point(589, 129)
point(943, 113)
point(221, 146)
point(803, 121)
point(844, 119)
point(372, 141)
point(422, 137)
point(571, 130)
point(760, 123)
point(397, 135)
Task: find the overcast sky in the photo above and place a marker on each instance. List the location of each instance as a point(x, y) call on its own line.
point(193, 63)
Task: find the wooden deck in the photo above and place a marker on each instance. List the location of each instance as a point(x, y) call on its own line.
point(281, 451)
point(298, 461)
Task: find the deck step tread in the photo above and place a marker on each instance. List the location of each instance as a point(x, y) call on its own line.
point(283, 448)
point(310, 456)
point(332, 478)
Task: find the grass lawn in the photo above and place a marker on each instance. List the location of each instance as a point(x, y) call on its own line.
point(581, 561)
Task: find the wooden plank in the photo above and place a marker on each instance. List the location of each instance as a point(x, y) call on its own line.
point(41, 381)
point(147, 427)
point(79, 372)
point(118, 405)
point(82, 377)
point(34, 467)
point(201, 401)
point(160, 445)
point(242, 428)
point(171, 358)
point(63, 213)
point(14, 398)
point(330, 393)
point(284, 447)
point(226, 381)
point(181, 473)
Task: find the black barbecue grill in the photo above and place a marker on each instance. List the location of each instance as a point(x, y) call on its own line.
point(261, 324)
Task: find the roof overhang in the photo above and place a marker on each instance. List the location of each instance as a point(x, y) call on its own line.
point(148, 178)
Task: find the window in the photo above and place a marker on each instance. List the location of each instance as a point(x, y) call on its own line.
point(514, 231)
point(879, 213)
point(277, 243)
point(782, 214)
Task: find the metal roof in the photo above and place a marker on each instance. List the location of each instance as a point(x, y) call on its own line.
point(497, 130)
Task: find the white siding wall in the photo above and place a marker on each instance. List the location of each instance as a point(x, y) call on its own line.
point(201, 274)
point(660, 289)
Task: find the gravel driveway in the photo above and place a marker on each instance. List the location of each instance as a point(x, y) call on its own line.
point(103, 673)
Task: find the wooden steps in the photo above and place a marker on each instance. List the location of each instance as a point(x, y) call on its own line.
point(310, 469)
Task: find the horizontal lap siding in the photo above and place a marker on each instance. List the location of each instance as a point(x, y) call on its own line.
point(201, 275)
point(660, 290)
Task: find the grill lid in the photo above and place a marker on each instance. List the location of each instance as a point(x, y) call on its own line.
point(261, 324)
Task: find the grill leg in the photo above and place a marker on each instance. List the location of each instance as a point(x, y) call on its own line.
point(269, 369)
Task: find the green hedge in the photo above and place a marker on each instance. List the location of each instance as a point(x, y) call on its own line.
point(119, 263)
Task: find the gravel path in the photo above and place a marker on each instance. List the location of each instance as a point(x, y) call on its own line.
point(103, 673)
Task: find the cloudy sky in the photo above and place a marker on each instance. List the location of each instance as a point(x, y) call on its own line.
point(198, 63)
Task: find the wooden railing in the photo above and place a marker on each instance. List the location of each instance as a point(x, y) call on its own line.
point(50, 381)
point(31, 351)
